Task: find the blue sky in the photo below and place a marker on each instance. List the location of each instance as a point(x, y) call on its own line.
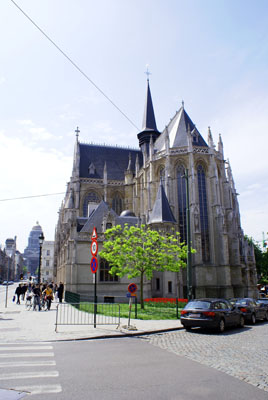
point(211, 54)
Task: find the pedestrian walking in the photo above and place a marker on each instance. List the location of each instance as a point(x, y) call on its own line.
point(37, 294)
point(23, 290)
point(18, 292)
point(48, 293)
point(60, 292)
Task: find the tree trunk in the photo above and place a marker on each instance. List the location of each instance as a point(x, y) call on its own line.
point(141, 291)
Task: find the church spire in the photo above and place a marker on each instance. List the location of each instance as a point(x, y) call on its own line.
point(76, 160)
point(148, 116)
point(149, 127)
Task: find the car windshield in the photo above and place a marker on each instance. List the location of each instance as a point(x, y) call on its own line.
point(200, 305)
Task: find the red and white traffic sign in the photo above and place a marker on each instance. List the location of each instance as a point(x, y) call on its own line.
point(94, 235)
point(94, 265)
point(94, 248)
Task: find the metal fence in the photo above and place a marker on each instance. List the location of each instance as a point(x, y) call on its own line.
point(87, 314)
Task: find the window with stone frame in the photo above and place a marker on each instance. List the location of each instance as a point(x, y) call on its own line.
point(181, 187)
point(117, 203)
point(91, 202)
point(203, 205)
point(104, 272)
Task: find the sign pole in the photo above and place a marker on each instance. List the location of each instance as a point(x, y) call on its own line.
point(94, 268)
point(95, 299)
point(129, 311)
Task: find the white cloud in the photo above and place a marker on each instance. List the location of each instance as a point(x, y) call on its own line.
point(40, 133)
point(28, 172)
point(26, 122)
point(2, 80)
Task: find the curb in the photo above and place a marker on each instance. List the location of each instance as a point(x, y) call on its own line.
point(123, 335)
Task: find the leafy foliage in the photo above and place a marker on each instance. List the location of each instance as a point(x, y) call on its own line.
point(261, 258)
point(138, 251)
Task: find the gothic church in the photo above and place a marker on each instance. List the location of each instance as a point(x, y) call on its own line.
point(112, 185)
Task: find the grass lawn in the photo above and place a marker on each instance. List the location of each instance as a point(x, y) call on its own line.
point(151, 311)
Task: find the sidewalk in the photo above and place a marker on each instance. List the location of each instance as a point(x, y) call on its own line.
point(19, 325)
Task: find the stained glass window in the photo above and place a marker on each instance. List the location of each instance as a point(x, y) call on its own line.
point(203, 212)
point(182, 202)
point(90, 201)
point(117, 204)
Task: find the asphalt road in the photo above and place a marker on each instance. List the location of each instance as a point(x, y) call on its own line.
point(121, 369)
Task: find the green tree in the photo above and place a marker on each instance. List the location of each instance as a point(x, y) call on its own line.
point(261, 258)
point(137, 252)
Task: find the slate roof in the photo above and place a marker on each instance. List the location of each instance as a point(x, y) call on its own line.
point(177, 131)
point(96, 219)
point(116, 158)
point(161, 211)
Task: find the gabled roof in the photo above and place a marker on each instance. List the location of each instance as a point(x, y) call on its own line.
point(161, 211)
point(96, 218)
point(116, 158)
point(177, 131)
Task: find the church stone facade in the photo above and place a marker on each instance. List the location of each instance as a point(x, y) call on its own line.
point(114, 185)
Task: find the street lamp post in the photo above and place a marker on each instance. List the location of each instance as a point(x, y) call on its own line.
point(41, 241)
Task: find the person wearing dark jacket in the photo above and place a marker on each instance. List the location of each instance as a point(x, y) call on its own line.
point(37, 294)
point(60, 292)
point(18, 292)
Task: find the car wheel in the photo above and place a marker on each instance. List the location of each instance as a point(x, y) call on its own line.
point(253, 319)
point(266, 316)
point(242, 322)
point(221, 326)
point(188, 328)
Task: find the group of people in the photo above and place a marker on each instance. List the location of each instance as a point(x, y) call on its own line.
point(40, 292)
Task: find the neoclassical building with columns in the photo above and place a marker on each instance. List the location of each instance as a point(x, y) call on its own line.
point(115, 185)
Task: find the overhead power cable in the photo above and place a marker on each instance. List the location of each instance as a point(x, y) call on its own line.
point(74, 64)
point(142, 184)
point(30, 197)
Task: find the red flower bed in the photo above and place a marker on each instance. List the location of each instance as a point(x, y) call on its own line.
point(164, 300)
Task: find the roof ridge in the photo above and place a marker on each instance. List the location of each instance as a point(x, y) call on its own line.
point(110, 146)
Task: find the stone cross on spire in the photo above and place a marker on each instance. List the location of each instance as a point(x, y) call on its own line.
point(147, 72)
point(77, 132)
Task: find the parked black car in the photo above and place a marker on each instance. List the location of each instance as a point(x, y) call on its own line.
point(211, 313)
point(251, 309)
point(264, 303)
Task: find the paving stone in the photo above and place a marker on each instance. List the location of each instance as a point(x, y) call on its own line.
point(242, 353)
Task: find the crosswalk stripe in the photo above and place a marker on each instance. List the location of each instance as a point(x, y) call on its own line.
point(12, 364)
point(27, 348)
point(41, 389)
point(14, 355)
point(29, 375)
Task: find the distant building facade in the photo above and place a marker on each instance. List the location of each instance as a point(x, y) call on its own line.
point(32, 251)
point(47, 263)
point(4, 264)
point(113, 185)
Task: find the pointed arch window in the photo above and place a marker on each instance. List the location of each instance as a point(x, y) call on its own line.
point(181, 184)
point(91, 202)
point(117, 204)
point(202, 191)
